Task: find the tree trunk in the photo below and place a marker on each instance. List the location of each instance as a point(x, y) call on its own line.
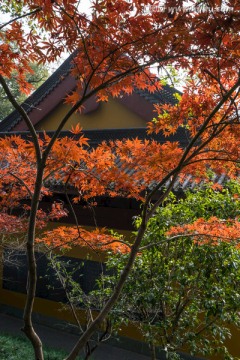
point(32, 269)
point(153, 351)
point(113, 299)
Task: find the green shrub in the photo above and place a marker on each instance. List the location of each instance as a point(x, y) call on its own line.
point(182, 294)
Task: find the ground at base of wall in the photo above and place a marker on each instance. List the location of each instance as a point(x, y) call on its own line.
point(59, 335)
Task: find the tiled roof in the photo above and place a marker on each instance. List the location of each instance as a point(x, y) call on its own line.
point(165, 95)
point(97, 136)
point(190, 183)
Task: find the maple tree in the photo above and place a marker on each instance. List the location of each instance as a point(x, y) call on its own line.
point(113, 52)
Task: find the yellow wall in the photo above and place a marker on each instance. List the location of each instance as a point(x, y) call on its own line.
point(55, 310)
point(109, 115)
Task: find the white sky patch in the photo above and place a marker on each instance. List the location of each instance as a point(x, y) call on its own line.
point(85, 6)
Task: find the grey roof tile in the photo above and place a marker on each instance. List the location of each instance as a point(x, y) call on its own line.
point(163, 96)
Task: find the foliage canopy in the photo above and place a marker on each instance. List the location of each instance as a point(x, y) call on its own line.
point(112, 54)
